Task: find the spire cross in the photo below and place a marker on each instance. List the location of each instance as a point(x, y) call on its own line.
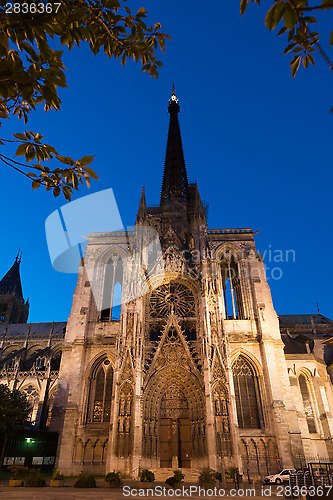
point(174, 183)
point(18, 257)
point(173, 99)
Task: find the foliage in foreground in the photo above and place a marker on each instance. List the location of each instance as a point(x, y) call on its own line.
point(147, 476)
point(177, 478)
point(114, 479)
point(85, 480)
point(32, 71)
point(14, 411)
point(57, 476)
point(17, 471)
point(207, 476)
point(297, 17)
point(35, 479)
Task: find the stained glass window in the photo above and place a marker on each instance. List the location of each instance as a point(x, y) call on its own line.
point(99, 407)
point(247, 395)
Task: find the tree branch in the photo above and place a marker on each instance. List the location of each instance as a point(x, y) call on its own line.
point(324, 56)
point(305, 26)
point(2, 158)
point(318, 7)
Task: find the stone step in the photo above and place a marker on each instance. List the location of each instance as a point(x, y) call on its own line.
point(191, 475)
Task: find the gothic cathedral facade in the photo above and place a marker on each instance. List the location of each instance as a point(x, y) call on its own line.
point(190, 371)
point(173, 355)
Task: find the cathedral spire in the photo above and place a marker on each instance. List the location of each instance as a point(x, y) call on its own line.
point(175, 184)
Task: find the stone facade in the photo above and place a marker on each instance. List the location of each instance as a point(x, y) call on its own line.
point(29, 361)
point(174, 357)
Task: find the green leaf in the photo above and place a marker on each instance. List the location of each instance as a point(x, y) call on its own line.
point(30, 153)
point(282, 30)
point(289, 17)
point(141, 12)
point(311, 59)
point(20, 136)
point(306, 62)
point(4, 40)
point(67, 192)
point(300, 3)
point(21, 150)
point(35, 184)
point(243, 6)
point(295, 66)
point(331, 38)
point(275, 14)
point(291, 35)
point(85, 160)
point(91, 173)
point(66, 160)
point(289, 47)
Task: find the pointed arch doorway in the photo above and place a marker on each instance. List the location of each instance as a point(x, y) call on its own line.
point(175, 430)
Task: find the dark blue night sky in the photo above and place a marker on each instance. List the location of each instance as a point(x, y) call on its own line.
point(258, 143)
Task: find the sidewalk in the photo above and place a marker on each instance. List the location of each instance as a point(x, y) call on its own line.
point(133, 490)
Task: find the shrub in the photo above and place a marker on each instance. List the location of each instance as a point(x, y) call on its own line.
point(57, 476)
point(171, 481)
point(85, 480)
point(35, 479)
point(218, 476)
point(18, 471)
point(114, 479)
point(147, 476)
point(178, 475)
point(207, 476)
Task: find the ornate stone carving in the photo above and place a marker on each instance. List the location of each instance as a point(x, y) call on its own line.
point(172, 351)
point(173, 298)
point(174, 404)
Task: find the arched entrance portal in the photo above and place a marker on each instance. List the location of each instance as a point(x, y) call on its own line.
point(175, 430)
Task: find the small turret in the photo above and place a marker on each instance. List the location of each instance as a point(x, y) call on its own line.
point(13, 308)
point(142, 212)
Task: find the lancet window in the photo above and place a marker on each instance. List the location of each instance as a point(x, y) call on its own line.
point(32, 395)
point(51, 399)
point(307, 403)
point(248, 401)
point(3, 309)
point(112, 292)
point(232, 293)
point(100, 392)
